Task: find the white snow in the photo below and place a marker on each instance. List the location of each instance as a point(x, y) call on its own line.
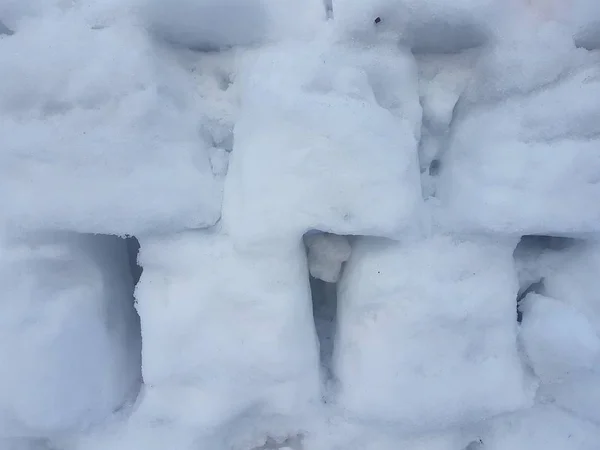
point(573, 278)
point(569, 273)
point(442, 80)
point(558, 340)
point(427, 332)
point(329, 115)
point(69, 336)
point(326, 253)
point(202, 368)
point(90, 118)
point(266, 150)
point(560, 333)
point(522, 157)
point(578, 394)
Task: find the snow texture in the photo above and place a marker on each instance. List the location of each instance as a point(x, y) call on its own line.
point(326, 254)
point(427, 332)
point(200, 367)
point(522, 159)
point(259, 148)
point(345, 118)
point(558, 340)
point(442, 80)
point(569, 273)
point(69, 336)
point(561, 328)
point(99, 137)
point(542, 427)
point(435, 26)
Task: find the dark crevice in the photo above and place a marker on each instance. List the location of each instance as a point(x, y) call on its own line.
point(542, 242)
point(327, 254)
point(589, 37)
point(324, 302)
point(4, 30)
point(527, 256)
point(434, 168)
point(534, 288)
point(107, 264)
point(133, 250)
point(328, 8)
point(131, 247)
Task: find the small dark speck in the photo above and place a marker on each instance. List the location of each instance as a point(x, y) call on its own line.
point(377, 20)
point(475, 445)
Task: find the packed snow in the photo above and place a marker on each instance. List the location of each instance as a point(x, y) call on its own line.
point(326, 113)
point(299, 224)
point(417, 318)
point(265, 362)
point(69, 345)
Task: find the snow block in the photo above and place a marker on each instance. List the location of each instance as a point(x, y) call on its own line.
point(522, 158)
point(214, 24)
point(225, 333)
point(571, 276)
point(427, 332)
point(69, 335)
point(326, 140)
point(557, 339)
point(100, 133)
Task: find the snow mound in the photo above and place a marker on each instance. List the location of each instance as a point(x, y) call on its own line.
point(69, 336)
point(100, 132)
point(427, 332)
point(326, 140)
point(214, 24)
point(558, 340)
point(202, 366)
point(522, 156)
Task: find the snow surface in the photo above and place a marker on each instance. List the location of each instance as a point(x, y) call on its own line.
point(530, 97)
point(94, 119)
point(70, 352)
point(427, 332)
point(557, 339)
point(326, 253)
point(383, 156)
point(325, 113)
point(266, 362)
